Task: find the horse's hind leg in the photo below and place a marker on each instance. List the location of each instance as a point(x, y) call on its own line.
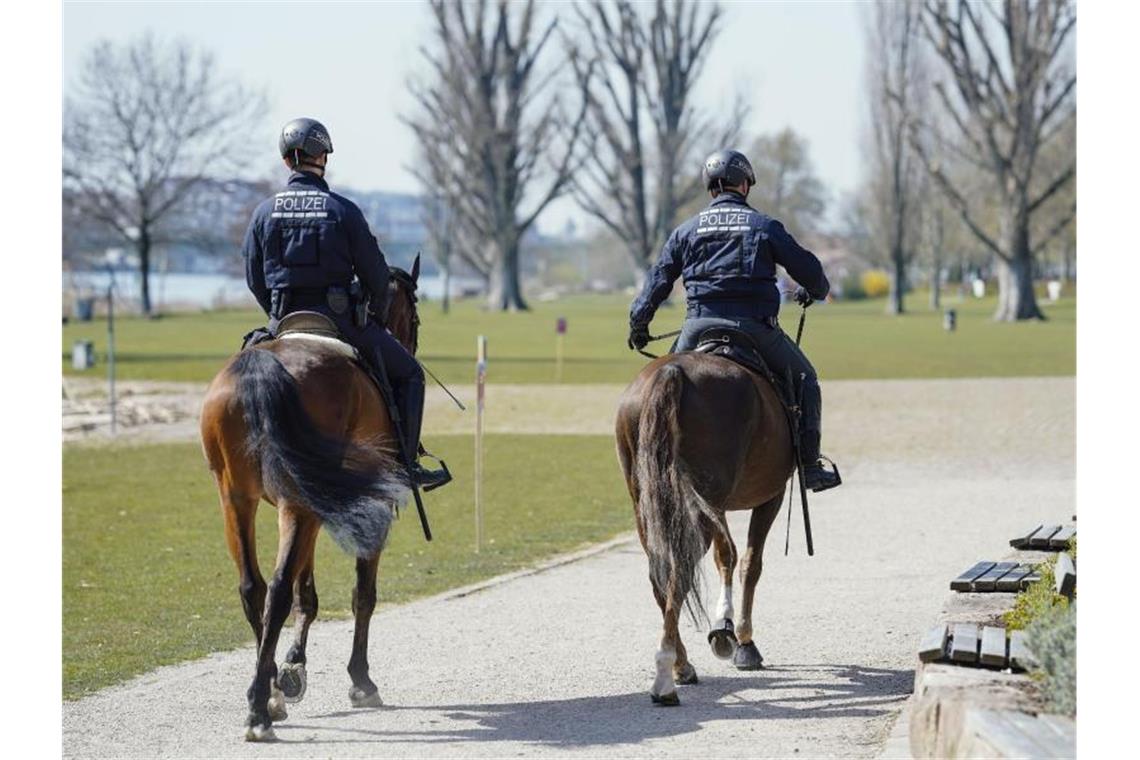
point(291, 676)
point(721, 636)
point(239, 511)
point(747, 655)
point(298, 535)
point(671, 657)
point(363, 692)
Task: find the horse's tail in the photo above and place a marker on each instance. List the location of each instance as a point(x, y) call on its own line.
point(670, 507)
point(350, 487)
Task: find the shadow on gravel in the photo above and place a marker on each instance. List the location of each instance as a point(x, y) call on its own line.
point(794, 692)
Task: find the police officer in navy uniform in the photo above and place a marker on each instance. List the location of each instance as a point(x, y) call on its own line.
point(727, 257)
point(302, 248)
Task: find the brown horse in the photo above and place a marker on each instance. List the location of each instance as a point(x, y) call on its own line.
point(297, 422)
point(698, 435)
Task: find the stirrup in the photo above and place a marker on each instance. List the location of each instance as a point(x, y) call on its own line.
point(440, 477)
point(825, 473)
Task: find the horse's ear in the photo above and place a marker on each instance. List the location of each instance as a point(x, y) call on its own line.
point(416, 269)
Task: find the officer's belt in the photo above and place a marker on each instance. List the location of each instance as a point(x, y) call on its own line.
point(292, 299)
point(733, 310)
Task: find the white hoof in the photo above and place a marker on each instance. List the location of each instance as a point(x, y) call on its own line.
point(360, 699)
point(276, 704)
point(260, 734)
point(292, 681)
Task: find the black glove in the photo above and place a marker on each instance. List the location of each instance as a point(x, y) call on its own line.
point(638, 337)
point(803, 298)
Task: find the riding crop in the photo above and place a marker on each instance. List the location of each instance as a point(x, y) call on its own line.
point(653, 338)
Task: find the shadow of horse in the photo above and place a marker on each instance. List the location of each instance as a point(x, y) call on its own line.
point(794, 692)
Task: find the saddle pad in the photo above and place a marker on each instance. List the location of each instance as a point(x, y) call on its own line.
point(335, 343)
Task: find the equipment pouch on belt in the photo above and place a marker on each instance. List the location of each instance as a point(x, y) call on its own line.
point(338, 299)
point(359, 305)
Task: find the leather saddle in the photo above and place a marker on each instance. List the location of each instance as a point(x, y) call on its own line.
point(313, 325)
point(735, 345)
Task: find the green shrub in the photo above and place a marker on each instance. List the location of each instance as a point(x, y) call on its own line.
point(852, 288)
point(1035, 601)
point(1053, 641)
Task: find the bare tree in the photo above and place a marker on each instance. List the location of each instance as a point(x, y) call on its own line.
point(894, 79)
point(144, 126)
point(1009, 91)
point(787, 187)
point(492, 106)
point(642, 130)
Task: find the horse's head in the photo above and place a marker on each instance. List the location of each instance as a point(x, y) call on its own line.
point(403, 318)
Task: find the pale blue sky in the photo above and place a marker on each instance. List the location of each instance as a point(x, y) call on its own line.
point(799, 63)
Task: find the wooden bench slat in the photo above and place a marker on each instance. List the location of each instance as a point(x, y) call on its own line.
point(1060, 539)
point(1065, 575)
point(1019, 655)
point(987, 580)
point(963, 581)
point(993, 646)
point(1011, 581)
point(964, 646)
point(1033, 577)
point(1040, 539)
point(933, 647)
point(1023, 541)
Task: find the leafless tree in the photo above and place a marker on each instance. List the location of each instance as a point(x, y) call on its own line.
point(1009, 91)
point(506, 131)
point(787, 187)
point(895, 88)
point(643, 133)
point(144, 126)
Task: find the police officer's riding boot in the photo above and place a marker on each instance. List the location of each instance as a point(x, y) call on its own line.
point(816, 476)
point(410, 398)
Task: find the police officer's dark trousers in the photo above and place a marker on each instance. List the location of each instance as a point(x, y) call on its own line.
point(780, 353)
point(384, 354)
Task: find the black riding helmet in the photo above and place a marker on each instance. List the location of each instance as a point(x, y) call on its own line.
point(306, 135)
point(727, 168)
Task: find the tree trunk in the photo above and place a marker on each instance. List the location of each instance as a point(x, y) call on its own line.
point(895, 303)
point(142, 247)
point(936, 284)
point(506, 293)
point(1016, 299)
point(446, 287)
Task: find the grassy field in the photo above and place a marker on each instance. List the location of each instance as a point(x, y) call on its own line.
point(147, 580)
point(844, 340)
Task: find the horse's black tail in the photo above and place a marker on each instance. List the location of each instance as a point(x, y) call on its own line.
point(352, 488)
point(670, 507)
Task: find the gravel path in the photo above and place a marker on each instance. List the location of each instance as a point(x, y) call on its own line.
point(559, 662)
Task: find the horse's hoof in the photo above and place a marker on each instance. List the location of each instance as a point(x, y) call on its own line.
point(360, 699)
point(686, 676)
point(260, 734)
point(666, 700)
point(748, 657)
point(722, 639)
point(292, 681)
point(276, 704)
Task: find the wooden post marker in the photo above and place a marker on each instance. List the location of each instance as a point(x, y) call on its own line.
point(480, 383)
point(560, 329)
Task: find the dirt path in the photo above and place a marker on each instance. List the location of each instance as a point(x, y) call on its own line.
point(559, 662)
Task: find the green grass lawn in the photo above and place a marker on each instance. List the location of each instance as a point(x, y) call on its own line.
point(147, 579)
point(844, 340)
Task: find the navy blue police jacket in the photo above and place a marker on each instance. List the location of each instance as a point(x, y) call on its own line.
point(727, 256)
point(306, 236)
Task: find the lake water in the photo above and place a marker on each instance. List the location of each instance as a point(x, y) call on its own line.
point(204, 290)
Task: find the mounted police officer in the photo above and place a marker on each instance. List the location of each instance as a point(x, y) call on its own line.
point(302, 248)
point(727, 257)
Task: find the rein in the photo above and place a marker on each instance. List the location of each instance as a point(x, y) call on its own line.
point(655, 338)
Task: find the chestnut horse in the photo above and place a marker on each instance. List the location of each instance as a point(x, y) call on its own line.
point(297, 422)
point(699, 435)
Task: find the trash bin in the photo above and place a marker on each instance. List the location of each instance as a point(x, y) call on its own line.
point(950, 320)
point(84, 309)
point(82, 354)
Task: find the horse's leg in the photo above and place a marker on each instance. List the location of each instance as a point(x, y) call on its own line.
point(238, 511)
point(291, 676)
point(721, 636)
point(747, 655)
point(363, 692)
point(294, 551)
point(671, 655)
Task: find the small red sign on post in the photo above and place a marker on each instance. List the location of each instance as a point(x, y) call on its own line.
point(561, 326)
